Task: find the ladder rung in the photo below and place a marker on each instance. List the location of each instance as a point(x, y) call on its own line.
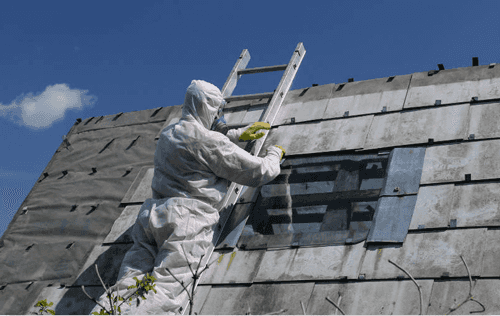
point(262, 69)
point(250, 96)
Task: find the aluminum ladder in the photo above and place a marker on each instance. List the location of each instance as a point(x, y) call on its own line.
point(277, 97)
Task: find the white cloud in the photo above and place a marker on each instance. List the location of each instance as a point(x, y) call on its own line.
point(40, 111)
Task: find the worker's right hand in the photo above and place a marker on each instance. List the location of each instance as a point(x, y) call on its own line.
point(282, 151)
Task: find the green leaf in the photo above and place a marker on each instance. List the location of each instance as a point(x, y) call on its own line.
point(121, 298)
point(51, 303)
point(119, 310)
point(51, 311)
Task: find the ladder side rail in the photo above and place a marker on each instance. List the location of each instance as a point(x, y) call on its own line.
point(232, 79)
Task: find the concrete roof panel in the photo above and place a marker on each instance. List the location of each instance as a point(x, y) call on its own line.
point(123, 119)
point(433, 207)
point(476, 204)
point(357, 298)
point(122, 227)
point(172, 117)
point(234, 267)
point(453, 86)
point(140, 189)
point(448, 294)
point(427, 255)
point(258, 299)
point(484, 120)
point(108, 260)
point(333, 135)
point(491, 256)
point(450, 163)
point(416, 127)
point(304, 104)
point(317, 263)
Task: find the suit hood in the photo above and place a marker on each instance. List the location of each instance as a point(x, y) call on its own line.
point(202, 102)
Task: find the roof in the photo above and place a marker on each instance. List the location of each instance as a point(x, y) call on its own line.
point(446, 208)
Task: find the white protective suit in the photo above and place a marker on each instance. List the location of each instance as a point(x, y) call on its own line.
point(193, 167)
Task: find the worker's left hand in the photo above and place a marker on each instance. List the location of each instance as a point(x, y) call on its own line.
point(249, 133)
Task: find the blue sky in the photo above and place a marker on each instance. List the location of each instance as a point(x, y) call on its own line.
point(63, 60)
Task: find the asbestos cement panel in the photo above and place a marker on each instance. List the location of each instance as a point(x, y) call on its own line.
point(200, 296)
point(115, 120)
point(108, 260)
point(20, 298)
point(476, 204)
point(370, 298)
point(257, 299)
point(392, 219)
point(38, 259)
point(491, 256)
point(238, 266)
point(316, 263)
point(450, 163)
point(433, 207)
point(484, 120)
point(448, 295)
point(140, 190)
point(427, 255)
point(368, 97)
point(173, 116)
point(304, 105)
point(69, 300)
point(416, 127)
point(454, 86)
point(254, 113)
point(334, 135)
point(122, 228)
point(404, 171)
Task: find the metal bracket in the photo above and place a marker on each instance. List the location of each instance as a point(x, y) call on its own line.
point(384, 109)
point(421, 226)
point(346, 113)
point(453, 223)
point(471, 136)
point(437, 102)
point(468, 177)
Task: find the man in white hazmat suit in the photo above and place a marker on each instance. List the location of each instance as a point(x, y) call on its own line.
point(193, 167)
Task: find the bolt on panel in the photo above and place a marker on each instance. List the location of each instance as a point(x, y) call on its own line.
point(491, 257)
point(447, 295)
point(174, 114)
point(304, 104)
point(365, 298)
point(236, 266)
point(122, 227)
point(108, 259)
point(315, 263)
point(427, 255)
point(450, 163)
point(484, 120)
point(257, 299)
point(334, 135)
point(476, 204)
point(140, 189)
point(453, 86)
point(368, 97)
point(417, 127)
point(432, 209)
point(67, 301)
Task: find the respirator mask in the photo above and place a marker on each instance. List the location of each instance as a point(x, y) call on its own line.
point(220, 124)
